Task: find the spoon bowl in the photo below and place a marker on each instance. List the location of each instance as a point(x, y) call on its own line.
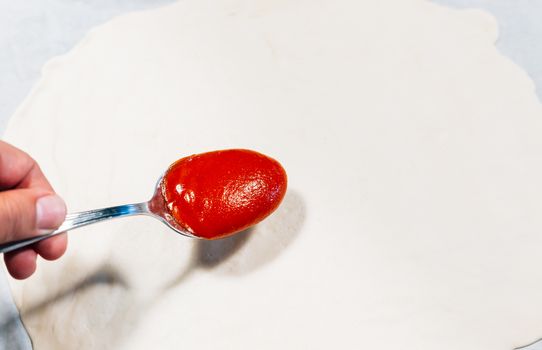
point(156, 207)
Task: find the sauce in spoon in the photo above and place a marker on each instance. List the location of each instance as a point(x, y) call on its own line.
point(216, 194)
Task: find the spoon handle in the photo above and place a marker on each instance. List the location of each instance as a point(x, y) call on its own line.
point(81, 219)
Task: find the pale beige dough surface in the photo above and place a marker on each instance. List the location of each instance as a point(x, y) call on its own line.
point(414, 153)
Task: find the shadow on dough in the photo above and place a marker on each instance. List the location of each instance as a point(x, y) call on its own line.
point(210, 254)
point(108, 284)
point(251, 249)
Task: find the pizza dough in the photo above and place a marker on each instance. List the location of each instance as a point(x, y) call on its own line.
point(414, 154)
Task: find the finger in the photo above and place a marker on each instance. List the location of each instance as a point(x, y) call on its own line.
point(15, 166)
point(35, 179)
point(27, 212)
point(21, 264)
point(52, 248)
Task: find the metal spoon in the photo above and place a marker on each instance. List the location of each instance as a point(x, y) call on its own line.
point(155, 207)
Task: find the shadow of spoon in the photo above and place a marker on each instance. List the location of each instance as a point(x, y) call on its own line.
point(253, 248)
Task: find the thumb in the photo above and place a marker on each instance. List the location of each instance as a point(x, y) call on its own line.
point(27, 212)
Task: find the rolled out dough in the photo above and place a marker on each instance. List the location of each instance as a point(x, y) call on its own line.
point(414, 153)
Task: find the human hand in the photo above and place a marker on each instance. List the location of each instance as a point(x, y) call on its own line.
point(28, 207)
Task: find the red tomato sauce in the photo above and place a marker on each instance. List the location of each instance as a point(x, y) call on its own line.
point(216, 194)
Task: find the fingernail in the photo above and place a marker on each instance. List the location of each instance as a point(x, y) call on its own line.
point(50, 212)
